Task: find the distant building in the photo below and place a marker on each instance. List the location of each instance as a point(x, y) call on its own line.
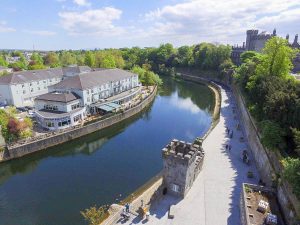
point(182, 163)
point(256, 41)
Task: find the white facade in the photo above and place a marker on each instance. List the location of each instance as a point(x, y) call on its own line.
point(59, 115)
point(23, 94)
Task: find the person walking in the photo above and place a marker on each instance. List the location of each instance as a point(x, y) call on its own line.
point(127, 207)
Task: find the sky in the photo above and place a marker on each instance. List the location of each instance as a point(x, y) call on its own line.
point(89, 24)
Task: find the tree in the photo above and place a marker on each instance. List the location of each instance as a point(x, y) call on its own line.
point(291, 173)
point(67, 58)
point(89, 59)
point(296, 138)
point(248, 55)
point(3, 61)
point(95, 215)
point(52, 60)
point(271, 134)
point(277, 58)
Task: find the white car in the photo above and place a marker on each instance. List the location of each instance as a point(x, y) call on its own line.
point(31, 114)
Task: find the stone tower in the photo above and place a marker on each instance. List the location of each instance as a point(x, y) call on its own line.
point(182, 164)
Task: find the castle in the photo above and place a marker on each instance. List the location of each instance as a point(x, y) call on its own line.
point(256, 41)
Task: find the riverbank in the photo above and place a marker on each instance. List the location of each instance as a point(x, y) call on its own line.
point(151, 191)
point(216, 191)
point(12, 152)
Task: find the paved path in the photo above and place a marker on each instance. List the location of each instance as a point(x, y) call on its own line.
point(214, 197)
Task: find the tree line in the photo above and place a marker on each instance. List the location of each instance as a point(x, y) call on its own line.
point(163, 60)
point(272, 95)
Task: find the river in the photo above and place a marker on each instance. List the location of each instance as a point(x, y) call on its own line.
point(53, 186)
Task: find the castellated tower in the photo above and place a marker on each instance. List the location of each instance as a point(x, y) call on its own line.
point(182, 164)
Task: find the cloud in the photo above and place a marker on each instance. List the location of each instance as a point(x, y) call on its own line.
point(218, 20)
point(98, 22)
point(40, 32)
point(4, 28)
point(82, 2)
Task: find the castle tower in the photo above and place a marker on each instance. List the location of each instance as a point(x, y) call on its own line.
point(182, 164)
point(295, 40)
point(274, 32)
point(251, 36)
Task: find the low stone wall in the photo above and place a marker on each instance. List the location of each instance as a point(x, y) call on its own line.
point(21, 150)
point(153, 192)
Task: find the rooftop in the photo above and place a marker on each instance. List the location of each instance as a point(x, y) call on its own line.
point(46, 114)
point(58, 97)
point(31, 75)
point(95, 78)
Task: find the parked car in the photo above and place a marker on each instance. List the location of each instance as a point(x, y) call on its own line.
point(21, 109)
point(31, 113)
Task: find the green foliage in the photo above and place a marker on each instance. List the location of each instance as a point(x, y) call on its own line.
point(67, 58)
point(296, 138)
point(89, 59)
point(52, 60)
point(291, 173)
point(3, 61)
point(271, 134)
point(95, 215)
point(146, 77)
point(248, 56)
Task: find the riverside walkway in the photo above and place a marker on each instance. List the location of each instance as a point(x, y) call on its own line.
point(214, 197)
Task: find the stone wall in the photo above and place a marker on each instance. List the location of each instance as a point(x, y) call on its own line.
point(267, 162)
point(21, 150)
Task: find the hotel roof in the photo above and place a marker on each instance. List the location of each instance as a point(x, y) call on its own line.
point(89, 80)
point(58, 97)
point(31, 75)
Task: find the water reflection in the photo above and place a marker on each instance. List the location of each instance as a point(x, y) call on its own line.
point(52, 186)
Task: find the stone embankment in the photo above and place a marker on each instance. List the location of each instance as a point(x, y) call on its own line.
point(17, 151)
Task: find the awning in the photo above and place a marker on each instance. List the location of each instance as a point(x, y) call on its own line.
point(105, 108)
point(113, 105)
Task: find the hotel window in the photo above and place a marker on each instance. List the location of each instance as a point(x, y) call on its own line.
point(39, 88)
point(30, 84)
point(88, 99)
point(88, 92)
point(92, 91)
point(77, 118)
point(38, 82)
point(44, 82)
point(75, 106)
point(23, 85)
point(31, 90)
point(50, 124)
point(24, 92)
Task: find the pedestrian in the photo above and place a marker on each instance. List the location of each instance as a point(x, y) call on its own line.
point(127, 207)
point(229, 147)
point(231, 134)
point(226, 146)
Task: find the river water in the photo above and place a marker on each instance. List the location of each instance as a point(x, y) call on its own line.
point(52, 187)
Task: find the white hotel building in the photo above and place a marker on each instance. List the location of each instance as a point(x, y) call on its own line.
point(63, 97)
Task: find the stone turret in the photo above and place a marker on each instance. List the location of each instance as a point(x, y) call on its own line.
point(287, 37)
point(274, 32)
point(182, 163)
